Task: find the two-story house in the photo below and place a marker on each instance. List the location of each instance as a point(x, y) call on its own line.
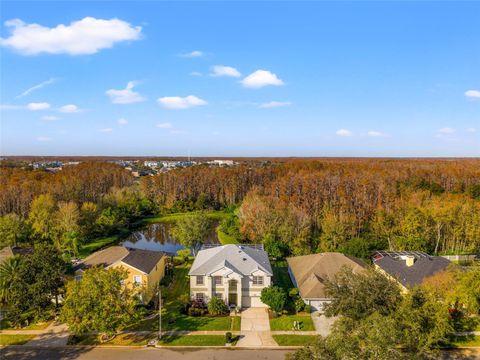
point(234, 273)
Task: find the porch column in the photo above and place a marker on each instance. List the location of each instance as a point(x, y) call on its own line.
point(225, 290)
point(239, 292)
point(210, 287)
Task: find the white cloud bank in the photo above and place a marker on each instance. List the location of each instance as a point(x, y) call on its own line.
point(125, 96)
point(177, 102)
point(38, 106)
point(472, 93)
point(343, 132)
point(222, 70)
point(69, 108)
point(122, 121)
point(193, 54)
point(274, 104)
point(85, 36)
point(446, 131)
point(261, 78)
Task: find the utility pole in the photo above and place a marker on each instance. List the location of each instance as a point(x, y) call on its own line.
point(159, 313)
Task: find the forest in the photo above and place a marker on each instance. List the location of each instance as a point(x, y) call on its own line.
point(292, 206)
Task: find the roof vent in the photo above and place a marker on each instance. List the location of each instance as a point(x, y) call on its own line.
point(409, 260)
point(244, 259)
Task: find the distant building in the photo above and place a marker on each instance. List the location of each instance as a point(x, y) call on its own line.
point(221, 162)
point(152, 164)
point(309, 273)
point(408, 268)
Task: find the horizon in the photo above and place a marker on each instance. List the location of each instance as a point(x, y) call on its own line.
point(249, 80)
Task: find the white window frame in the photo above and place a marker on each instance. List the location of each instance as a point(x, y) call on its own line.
point(136, 282)
point(198, 277)
point(200, 296)
point(215, 278)
point(258, 280)
point(218, 295)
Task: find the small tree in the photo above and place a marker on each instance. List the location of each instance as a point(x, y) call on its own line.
point(191, 231)
point(217, 306)
point(275, 297)
point(99, 302)
point(183, 254)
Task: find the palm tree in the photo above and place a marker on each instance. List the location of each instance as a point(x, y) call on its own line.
point(9, 271)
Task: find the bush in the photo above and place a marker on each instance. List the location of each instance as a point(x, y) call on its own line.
point(308, 308)
point(217, 306)
point(293, 293)
point(183, 254)
point(193, 311)
point(299, 304)
point(228, 337)
point(274, 297)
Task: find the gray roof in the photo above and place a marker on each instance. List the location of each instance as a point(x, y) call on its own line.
point(143, 260)
point(394, 264)
point(240, 258)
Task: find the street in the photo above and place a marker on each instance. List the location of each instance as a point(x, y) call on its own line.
point(122, 353)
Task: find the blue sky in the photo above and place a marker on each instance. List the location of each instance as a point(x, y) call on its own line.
point(240, 79)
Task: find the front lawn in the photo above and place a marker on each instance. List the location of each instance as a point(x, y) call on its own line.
point(174, 320)
point(5, 325)
point(294, 340)
point(193, 340)
point(285, 323)
point(465, 341)
point(122, 339)
point(15, 339)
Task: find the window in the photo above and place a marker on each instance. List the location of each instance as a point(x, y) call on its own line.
point(218, 296)
point(200, 296)
point(137, 280)
point(199, 280)
point(258, 280)
point(217, 280)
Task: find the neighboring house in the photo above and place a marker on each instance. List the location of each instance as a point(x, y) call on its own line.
point(10, 251)
point(145, 267)
point(234, 273)
point(408, 268)
point(309, 273)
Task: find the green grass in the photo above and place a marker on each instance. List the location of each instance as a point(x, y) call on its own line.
point(280, 275)
point(285, 323)
point(122, 339)
point(194, 340)
point(97, 244)
point(294, 340)
point(5, 325)
point(173, 319)
point(225, 239)
point(15, 339)
point(211, 214)
point(464, 341)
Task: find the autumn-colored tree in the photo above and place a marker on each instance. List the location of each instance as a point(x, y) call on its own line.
point(41, 216)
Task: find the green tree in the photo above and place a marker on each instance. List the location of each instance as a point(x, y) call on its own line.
point(191, 231)
point(217, 306)
point(66, 226)
point(12, 230)
point(41, 216)
point(358, 295)
point(9, 276)
point(183, 254)
point(468, 290)
point(87, 220)
point(275, 297)
point(99, 302)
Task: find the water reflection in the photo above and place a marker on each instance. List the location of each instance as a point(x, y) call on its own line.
point(157, 237)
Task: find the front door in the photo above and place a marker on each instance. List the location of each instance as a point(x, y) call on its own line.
point(232, 292)
point(232, 299)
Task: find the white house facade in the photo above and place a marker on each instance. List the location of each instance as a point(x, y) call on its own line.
point(234, 273)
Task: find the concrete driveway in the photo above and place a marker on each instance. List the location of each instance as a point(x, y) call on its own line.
point(322, 323)
point(255, 329)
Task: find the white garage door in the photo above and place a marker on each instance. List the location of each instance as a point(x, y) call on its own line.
point(252, 301)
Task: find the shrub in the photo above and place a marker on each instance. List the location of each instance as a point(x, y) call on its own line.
point(274, 297)
point(217, 306)
point(293, 293)
point(193, 311)
point(228, 337)
point(299, 304)
point(308, 308)
point(183, 254)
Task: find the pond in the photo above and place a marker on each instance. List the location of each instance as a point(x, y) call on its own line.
point(157, 237)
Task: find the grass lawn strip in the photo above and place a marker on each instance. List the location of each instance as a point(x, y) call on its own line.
point(466, 341)
point(285, 323)
point(15, 339)
point(193, 340)
point(5, 325)
point(294, 340)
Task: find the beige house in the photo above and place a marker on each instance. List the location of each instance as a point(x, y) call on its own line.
point(309, 272)
point(145, 267)
point(234, 273)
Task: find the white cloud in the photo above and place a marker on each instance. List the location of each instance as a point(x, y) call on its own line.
point(50, 118)
point(177, 102)
point(38, 106)
point(122, 121)
point(36, 87)
point(125, 96)
point(166, 125)
point(472, 93)
point(471, 130)
point(193, 54)
point(86, 36)
point(195, 73)
point(446, 131)
point(221, 70)
point(261, 78)
point(43, 138)
point(274, 104)
point(373, 133)
point(343, 132)
point(9, 107)
point(70, 108)
point(106, 130)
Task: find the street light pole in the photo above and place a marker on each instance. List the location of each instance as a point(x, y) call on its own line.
point(159, 313)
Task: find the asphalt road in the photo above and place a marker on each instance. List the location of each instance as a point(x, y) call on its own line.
point(19, 353)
